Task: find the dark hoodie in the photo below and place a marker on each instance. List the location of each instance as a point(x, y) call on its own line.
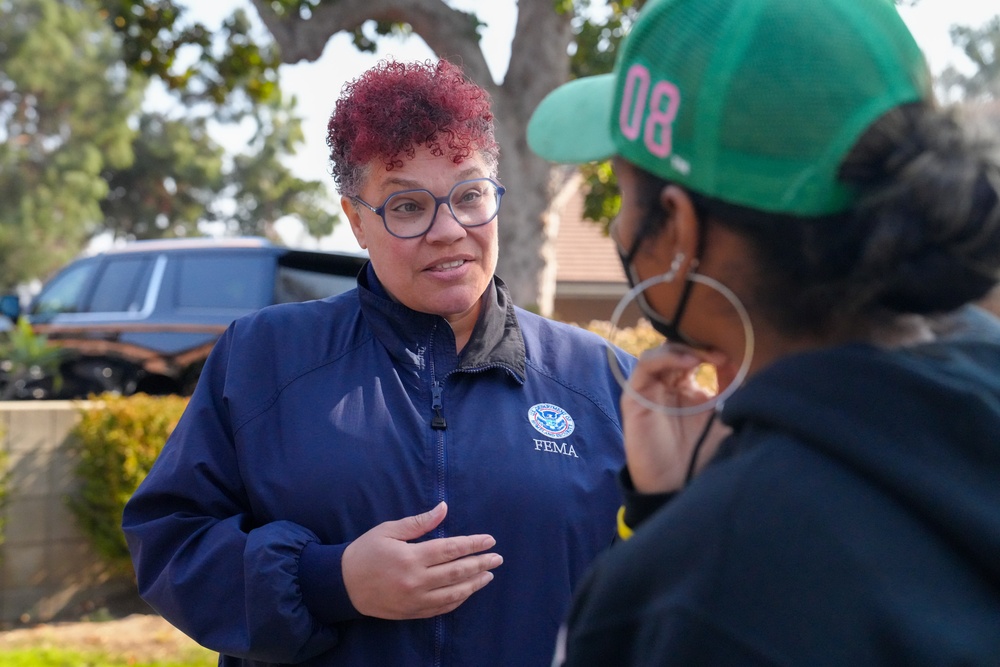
point(853, 518)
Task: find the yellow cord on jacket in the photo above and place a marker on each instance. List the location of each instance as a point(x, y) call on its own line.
point(624, 531)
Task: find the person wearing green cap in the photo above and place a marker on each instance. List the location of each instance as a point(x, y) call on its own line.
point(799, 212)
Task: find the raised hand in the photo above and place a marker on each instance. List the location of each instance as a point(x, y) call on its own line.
point(659, 446)
point(389, 577)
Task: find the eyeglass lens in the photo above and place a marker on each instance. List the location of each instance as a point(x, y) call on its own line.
point(411, 212)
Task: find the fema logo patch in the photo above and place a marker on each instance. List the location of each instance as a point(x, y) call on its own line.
point(551, 420)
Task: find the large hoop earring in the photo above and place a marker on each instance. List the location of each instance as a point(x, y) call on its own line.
point(716, 401)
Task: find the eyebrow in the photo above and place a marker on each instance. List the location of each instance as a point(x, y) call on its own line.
point(465, 174)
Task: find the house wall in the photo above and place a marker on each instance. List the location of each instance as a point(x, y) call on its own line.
point(583, 309)
point(48, 569)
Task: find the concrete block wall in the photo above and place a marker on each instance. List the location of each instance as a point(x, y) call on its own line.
point(48, 569)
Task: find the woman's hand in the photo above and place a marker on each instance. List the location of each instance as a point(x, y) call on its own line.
point(659, 446)
point(389, 576)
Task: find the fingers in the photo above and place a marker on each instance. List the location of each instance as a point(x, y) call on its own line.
point(448, 598)
point(418, 525)
point(450, 560)
point(668, 374)
point(447, 549)
point(659, 446)
point(389, 576)
point(681, 356)
point(450, 584)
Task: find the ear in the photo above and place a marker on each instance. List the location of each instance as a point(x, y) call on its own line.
point(354, 217)
point(682, 231)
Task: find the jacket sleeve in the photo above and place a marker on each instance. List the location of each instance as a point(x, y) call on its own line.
point(636, 507)
point(202, 560)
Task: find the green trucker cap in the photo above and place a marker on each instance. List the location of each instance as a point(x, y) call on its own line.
point(753, 102)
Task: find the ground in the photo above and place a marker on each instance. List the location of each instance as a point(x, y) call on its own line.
point(145, 637)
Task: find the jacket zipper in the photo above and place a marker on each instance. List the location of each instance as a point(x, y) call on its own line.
point(439, 424)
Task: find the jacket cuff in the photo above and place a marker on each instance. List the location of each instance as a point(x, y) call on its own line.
point(321, 576)
point(637, 506)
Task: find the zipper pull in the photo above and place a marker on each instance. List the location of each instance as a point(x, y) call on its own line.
point(437, 423)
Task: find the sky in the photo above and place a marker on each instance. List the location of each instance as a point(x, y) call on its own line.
point(316, 85)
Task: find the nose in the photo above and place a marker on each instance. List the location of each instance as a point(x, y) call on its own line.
point(444, 228)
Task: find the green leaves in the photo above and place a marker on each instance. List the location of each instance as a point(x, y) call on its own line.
point(158, 42)
point(61, 125)
point(981, 46)
point(596, 37)
point(172, 183)
point(265, 190)
point(27, 356)
point(117, 438)
point(596, 46)
point(112, 136)
point(603, 198)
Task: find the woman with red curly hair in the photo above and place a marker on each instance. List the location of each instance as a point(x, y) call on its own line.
point(415, 472)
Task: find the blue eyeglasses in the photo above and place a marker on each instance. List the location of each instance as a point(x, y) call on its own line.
point(408, 214)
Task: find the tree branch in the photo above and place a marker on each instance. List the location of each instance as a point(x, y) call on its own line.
point(450, 33)
point(541, 36)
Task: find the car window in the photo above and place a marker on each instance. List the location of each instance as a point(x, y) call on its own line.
point(121, 287)
point(66, 291)
point(215, 282)
point(302, 285)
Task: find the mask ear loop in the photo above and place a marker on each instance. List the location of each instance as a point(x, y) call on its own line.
point(716, 401)
point(672, 325)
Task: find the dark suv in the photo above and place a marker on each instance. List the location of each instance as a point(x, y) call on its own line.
point(143, 318)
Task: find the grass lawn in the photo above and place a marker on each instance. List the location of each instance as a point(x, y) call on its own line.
point(137, 640)
point(60, 657)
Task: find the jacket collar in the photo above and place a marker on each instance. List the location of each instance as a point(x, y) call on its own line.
point(418, 339)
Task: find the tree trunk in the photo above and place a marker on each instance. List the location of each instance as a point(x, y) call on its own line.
point(539, 62)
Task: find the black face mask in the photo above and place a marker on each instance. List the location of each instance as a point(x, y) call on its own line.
point(669, 329)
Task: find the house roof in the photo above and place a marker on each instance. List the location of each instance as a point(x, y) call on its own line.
point(584, 253)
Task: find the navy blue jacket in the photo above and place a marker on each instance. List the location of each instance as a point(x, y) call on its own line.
point(314, 422)
point(853, 519)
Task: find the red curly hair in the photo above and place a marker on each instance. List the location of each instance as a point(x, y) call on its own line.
point(395, 107)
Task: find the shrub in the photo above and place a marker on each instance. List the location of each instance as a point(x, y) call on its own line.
point(27, 357)
point(631, 339)
point(118, 438)
point(643, 337)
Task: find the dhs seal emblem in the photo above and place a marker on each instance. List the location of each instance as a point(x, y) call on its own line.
point(551, 420)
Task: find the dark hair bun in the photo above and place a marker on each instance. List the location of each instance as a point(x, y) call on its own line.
point(931, 207)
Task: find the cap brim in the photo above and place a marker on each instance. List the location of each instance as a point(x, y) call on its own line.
point(573, 123)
